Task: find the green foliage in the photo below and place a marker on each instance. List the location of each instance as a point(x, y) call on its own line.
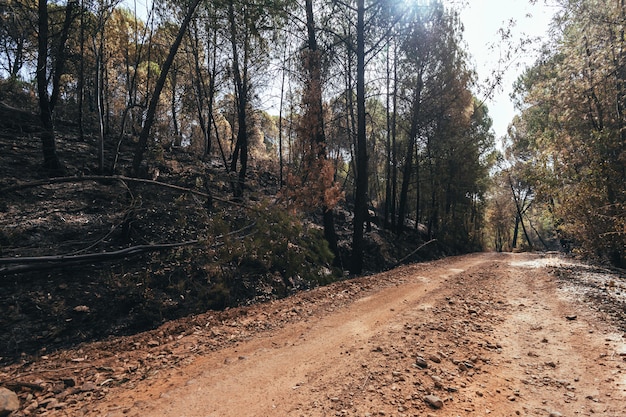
point(254, 255)
point(276, 254)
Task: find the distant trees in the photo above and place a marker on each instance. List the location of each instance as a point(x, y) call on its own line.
point(17, 36)
point(571, 134)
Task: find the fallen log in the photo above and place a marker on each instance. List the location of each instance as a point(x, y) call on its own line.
point(61, 180)
point(38, 263)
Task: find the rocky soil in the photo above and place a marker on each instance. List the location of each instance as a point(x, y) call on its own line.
point(476, 335)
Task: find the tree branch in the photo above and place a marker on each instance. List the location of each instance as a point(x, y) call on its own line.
point(412, 253)
point(35, 263)
point(61, 180)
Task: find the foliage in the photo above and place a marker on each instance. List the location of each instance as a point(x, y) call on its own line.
point(571, 135)
point(276, 255)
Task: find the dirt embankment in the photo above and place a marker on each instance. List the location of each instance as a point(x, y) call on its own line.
point(486, 334)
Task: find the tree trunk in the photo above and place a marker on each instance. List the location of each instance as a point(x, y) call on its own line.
point(408, 164)
point(315, 95)
point(154, 101)
point(387, 208)
point(99, 97)
point(520, 214)
point(515, 232)
point(241, 97)
point(51, 162)
point(81, 75)
point(174, 85)
point(394, 145)
point(360, 201)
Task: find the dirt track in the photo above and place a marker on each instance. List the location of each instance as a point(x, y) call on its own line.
point(497, 333)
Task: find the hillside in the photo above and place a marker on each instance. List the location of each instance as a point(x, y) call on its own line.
point(110, 278)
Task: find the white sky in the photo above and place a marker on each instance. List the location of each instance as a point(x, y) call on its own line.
point(482, 20)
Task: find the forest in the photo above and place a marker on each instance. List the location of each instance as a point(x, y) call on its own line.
point(165, 158)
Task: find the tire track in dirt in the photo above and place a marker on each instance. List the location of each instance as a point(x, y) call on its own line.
point(563, 358)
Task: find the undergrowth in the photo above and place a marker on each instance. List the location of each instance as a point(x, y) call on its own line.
point(249, 256)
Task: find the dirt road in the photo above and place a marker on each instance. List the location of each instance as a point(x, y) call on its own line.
point(486, 334)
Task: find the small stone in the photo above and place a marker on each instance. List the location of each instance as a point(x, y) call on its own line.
point(555, 414)
point(88, 386)
point(421, 362)
point(153, 343)
point(433, 401)
point(49, 403)
point(434, 358)
point(82, 309)
point(571, 317)
point(69, 382)
point(438, 382)
point(8, 402)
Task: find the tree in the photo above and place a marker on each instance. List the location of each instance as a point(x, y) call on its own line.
point(152, 107)
point(445, 132)
point(47, 102)
point(316, 186)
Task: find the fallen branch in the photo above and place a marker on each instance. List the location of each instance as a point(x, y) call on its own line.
point(412, 253)
point(34, 263)
point(99, 178)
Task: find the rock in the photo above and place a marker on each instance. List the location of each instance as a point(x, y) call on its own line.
point(433, 401)
point(82, 309)
point(8, 402)
point(88, 386)
point(49, 403)
point(69, 382)
point(556, 414)
point(434, 358)
point(571, 317)
point(421, 362)
point(438, 381)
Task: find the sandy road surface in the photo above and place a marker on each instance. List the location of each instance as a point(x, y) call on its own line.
point(496, 334)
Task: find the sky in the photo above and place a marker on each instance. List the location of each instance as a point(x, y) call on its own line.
point(482, 20)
